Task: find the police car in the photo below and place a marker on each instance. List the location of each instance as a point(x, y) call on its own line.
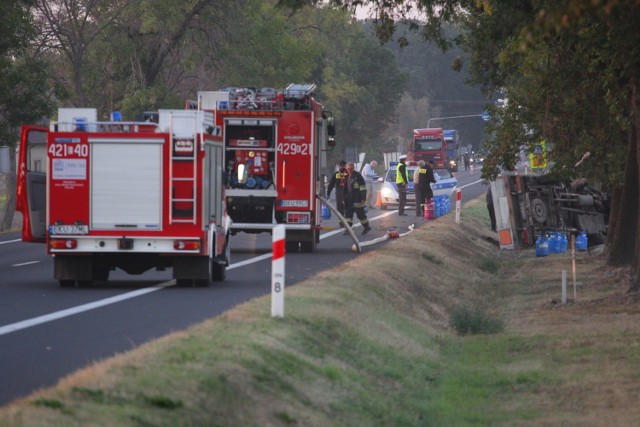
point(445, 184)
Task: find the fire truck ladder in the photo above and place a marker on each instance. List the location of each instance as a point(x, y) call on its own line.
point(187, 164)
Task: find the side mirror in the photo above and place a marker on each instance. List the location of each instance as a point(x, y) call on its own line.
point(331, 127)
point(5, 166)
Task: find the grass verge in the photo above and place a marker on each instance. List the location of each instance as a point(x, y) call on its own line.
point(374, 343)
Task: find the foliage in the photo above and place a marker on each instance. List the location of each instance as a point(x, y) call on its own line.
point(273, 51)
point(26, 93)
point(474, 320)
point(359, 81)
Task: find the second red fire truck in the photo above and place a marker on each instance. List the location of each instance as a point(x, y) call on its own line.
point(274, 150)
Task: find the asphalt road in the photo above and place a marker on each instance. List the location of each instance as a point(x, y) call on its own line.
point(47, 332)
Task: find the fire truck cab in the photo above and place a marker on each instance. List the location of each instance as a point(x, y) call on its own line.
point(429, 145)
point(128, 195)
point(274, 150)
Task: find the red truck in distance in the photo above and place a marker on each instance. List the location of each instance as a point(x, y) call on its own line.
point(429, 145)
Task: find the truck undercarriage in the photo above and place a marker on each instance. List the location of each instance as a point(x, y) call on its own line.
point(542, 204)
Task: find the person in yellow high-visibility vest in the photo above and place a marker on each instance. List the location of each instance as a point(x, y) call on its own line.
point(402, 180)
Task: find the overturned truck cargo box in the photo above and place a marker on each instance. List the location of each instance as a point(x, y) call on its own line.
point(530, 205)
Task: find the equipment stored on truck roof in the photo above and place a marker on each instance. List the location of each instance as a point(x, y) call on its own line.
point(128, 195)
point(274, 151)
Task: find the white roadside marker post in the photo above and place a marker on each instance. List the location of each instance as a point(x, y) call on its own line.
point(458, 204)
point(277, 272)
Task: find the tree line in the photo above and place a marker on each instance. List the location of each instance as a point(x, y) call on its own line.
point(569, 70)
point(140, 55)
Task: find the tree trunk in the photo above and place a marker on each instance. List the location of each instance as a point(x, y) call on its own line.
point(169, 42)
point(625, 241)
point(635, 269)
point(616, 197)
point(10, 207)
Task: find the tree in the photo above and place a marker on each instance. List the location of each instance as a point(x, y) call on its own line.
point(359, 81)
point(26, 93)
point(133, 55)
point(69, 27)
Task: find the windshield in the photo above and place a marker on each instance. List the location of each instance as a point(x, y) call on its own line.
point(442, 173)
point(427, 144)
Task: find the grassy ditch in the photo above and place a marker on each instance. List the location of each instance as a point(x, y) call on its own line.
point(376, 342)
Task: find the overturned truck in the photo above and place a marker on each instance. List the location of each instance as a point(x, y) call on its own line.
point(530, 205)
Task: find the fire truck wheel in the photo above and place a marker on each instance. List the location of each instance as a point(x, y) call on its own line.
point(310, 246)
point(67, 283)
point(218, 271)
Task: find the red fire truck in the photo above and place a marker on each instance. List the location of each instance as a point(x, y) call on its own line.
point(429, 145)
point(274, 150)
point(128, 195)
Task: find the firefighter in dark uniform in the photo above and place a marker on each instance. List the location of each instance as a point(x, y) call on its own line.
point(355, 195)
point(402, 180)
point(423, 190)
point(339, 182)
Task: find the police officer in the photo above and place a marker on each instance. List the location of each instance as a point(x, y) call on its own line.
point(339, 181)
point(402, 180)
point(355, 195)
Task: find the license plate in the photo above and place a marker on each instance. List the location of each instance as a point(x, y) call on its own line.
point(411, 196)
point(294, 203)
point(68, 229)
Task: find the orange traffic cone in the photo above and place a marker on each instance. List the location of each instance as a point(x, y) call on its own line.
point(379, 200)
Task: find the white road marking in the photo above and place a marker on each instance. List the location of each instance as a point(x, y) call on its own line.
point(25, 263)
point(11, 241)
point(81, 308)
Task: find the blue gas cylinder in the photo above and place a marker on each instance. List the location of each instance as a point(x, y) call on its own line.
point(326, 212)
point(447, 203)
point(542, 246)
point(563, 243)
point(581, 241)
point(554, 243)
point(439, 206)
